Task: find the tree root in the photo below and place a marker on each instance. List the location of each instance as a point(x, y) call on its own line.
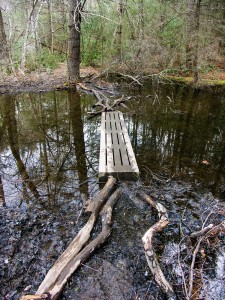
point(149, 249)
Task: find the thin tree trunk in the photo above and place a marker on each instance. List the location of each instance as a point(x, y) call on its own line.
point(192, 46)
point(141, 19)
point(196, 48)
point(189, 45)
point(26, 35)
point(50, 24)
point(3, 41)
point(74, 43)
point(119, 31)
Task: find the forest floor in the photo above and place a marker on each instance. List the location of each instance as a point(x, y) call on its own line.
point(32, 239)
point(38, 81)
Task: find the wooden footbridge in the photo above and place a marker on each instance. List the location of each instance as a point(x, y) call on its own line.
point(116, 154)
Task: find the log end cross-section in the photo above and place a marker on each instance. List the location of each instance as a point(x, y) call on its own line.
point(116, 154)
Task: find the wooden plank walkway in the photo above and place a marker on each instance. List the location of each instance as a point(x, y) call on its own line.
point(116, 153)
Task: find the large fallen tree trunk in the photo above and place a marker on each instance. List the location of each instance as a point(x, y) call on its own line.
point(82, 237)
point(149, 249)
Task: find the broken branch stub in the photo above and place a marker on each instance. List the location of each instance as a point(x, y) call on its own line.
point(147, 240)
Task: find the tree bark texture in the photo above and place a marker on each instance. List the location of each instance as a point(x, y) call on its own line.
point(50, 24)
point(119, 30)
point(74, 43)
point(192, 45)
point(26, 35)
point(197, 25)
point(3, 41)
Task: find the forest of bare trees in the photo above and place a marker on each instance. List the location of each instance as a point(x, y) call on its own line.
point(185, 37)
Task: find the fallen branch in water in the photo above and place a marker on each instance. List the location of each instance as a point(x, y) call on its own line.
point(72, 266)
point(104, 103)
point(149, 249)
point(51, 281)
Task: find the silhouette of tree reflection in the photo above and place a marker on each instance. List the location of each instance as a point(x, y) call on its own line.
point(78, 138)
point(9, 113)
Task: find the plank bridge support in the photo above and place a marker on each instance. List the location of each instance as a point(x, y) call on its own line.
point(116, 154)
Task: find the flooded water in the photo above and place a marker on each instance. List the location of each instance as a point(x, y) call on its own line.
point(49, 159)
point(180, 132)
point(49, 147)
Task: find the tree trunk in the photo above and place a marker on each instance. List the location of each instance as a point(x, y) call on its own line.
point(3, 41)
point(26, 35)
point(119, 31)
point(197, 25)
point(193, 38)
point(50, 24)
point(74, 43)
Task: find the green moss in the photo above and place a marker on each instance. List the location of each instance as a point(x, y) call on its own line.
point(214, 81)
point(202, 82)
point(179, 79)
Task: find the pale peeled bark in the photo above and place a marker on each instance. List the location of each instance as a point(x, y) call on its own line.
point(149, 249)
point(82, 237)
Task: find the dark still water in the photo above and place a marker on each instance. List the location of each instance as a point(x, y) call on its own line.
point(49, 148)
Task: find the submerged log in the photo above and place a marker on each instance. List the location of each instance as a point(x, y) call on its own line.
point(82, 237)
point(149, 249)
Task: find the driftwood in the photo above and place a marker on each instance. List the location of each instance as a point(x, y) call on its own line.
point(149, 249)
point(55, 289)
point(36, 297)
point(82, 237)
point(104, 103)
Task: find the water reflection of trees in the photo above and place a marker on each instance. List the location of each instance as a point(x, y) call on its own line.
point(46, 139)
point(180, 131)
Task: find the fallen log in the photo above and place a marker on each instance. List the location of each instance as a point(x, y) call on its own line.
point(59, 281)
point(147, 240)
point(82, 237)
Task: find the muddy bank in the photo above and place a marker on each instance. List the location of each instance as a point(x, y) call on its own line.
point(32, 239)
point(40, 81)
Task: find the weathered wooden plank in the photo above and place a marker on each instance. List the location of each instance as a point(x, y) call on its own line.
point(116, 153)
